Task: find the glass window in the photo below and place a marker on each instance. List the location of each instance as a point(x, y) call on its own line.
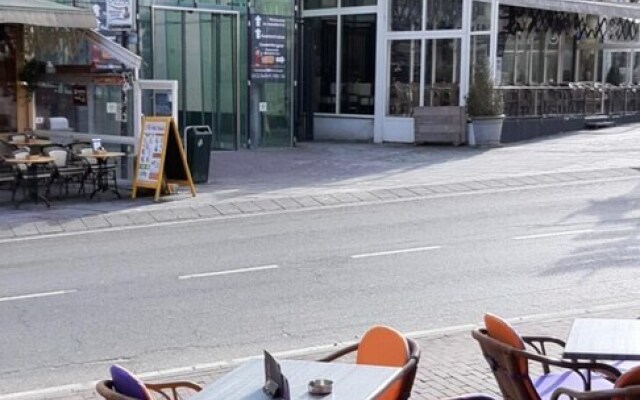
point(442, 73)
point(551, 58)
point(320, 35)
point(636, 68)
point(508, 50)
point(358, 3)
point(617, 73)
point(358, 64)
point(406, 15)
point(587, 65)
point(314, 4)
point(444, 14)
point(404, 73)
point(480, 48)
point(536, 57)
point(481, 16)
point(9, 37)
point(567, 58)
point(521, 71)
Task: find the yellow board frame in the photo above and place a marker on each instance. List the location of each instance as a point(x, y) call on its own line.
point(171, 128)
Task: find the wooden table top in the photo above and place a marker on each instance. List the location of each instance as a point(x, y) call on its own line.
point(32, 142)
point(604, 339)
point(104, 154)
point(29, 160)
point(350, 381)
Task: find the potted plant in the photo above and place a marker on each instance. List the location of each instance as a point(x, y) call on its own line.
point(485, 107)
point(31, 74)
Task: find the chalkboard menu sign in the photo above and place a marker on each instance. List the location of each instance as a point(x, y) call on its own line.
point(160, 159)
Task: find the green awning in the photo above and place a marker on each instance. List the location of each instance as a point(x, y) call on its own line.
point(45, 13)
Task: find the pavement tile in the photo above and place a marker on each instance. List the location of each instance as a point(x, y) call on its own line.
point(228, 209)
point(185, 213)
point(307, 201)
point(422, 190)
point(166, 215)
point(288, 203)
point(345, 198)
point(117, 220)
point(207, 211)
point(47, 227)
point(476, 185)
point(248, 207)
point(269, 205)
point(384, 194)
point(441, 189)
point(73, 225)
point(326, 200)
point(364, 196)
point(495, 183)
point(404, 193)
point(6, 232)
point(95, 222)
point(141, 218)
point(459, 187)
point(25, 229)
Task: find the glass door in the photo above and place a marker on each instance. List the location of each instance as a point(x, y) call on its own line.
point(199, 49)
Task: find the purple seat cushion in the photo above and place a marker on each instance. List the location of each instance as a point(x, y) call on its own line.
point(124, 382)
point(547, 384)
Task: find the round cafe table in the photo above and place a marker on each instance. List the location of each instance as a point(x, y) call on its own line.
point(32, 163)
point(33, 144)
point(102, 171)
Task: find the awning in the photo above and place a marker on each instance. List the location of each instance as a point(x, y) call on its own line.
point(591, 7)
point(45, 13)
point(116, 51)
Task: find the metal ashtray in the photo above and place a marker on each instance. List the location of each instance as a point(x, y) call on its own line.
point(320, 386)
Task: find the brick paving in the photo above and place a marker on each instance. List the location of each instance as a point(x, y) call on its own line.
point(451, 362)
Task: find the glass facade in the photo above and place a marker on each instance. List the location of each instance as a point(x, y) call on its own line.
point(341, 63)
point(9, 36)
point(405, 60)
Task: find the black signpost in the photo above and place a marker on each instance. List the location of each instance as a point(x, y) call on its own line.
point(268, 48)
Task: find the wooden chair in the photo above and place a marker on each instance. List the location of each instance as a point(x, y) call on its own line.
point(509, 360)
point(385, 346)
point(164, 391)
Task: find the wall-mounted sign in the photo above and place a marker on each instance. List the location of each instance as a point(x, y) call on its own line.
point(119, 14)
point(268, 47)
point(79, 95)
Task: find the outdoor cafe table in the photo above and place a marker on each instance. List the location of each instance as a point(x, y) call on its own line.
point(350, 381)
point(34, 144)
point(603, 339)
point(102, 171)
point(32, 163)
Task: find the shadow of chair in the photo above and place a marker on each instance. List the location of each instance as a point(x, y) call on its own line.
point(130, 387)
point(508, 357)
point(384, 346)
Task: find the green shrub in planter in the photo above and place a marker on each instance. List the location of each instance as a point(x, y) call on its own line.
point(483, 100)
point(31, 73)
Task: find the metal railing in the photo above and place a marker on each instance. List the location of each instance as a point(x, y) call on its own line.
point(573, 99)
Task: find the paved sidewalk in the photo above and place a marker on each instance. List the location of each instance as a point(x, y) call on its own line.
point(451, 362)
point(317, 175)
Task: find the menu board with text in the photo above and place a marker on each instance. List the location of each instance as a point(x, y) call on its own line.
point(151, 149)
point(161, 159)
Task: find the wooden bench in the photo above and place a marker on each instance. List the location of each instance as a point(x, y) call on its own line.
point(446, 124)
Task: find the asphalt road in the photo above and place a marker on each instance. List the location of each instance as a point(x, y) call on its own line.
point(175, 296)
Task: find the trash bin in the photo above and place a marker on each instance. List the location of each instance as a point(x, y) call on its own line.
point(198, 148)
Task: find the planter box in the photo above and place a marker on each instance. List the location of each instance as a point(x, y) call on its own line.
point(440, 124)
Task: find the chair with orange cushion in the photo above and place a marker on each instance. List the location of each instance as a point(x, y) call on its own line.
point(508, 357)
point(126, 386)
point(626, 387)
point(384, 346)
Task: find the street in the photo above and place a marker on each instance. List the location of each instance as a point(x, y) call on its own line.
point(172, 296)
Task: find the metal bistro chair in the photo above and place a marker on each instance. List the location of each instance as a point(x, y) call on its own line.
point(64, 170)
point(385, 346)
point(509, 358)
point(23, 177)
point(126, 386)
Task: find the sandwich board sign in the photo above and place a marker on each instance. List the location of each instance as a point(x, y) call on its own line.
point(161, 159)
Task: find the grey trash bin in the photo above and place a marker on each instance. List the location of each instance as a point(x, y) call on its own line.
point(198, 146)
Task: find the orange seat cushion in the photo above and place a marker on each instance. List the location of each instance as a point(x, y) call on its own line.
point(387, 347)
point(502, 331)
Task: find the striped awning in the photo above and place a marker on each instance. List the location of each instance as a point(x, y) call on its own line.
point(45, 13)
point(591, 7)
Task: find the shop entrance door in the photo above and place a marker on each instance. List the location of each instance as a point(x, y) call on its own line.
point(199, 48)
point(154, 98)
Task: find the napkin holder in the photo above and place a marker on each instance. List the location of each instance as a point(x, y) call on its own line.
point(276, 385)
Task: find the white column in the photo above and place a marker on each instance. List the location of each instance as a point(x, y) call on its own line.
point(382, 71)
point(465, 52)
point(495, 20)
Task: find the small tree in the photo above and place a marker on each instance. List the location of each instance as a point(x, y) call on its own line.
point(483, 100)
point(32, 73)
point(613, 76)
